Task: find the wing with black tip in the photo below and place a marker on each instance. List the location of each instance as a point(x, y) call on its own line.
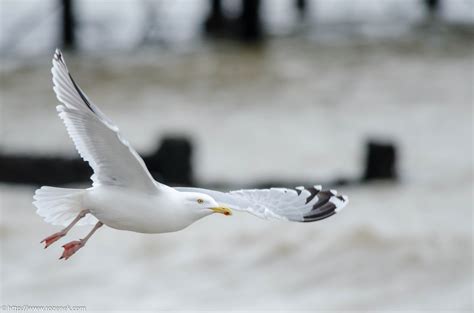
point(299, 204)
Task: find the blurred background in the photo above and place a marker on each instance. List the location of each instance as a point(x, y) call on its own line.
point(373, 98)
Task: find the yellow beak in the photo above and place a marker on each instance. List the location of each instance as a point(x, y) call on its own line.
point(222, 210)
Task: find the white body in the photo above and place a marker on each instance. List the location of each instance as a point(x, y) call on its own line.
point(132, 210)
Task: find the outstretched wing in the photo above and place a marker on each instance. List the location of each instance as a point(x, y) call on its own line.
point(299, 204)
point(96, 138)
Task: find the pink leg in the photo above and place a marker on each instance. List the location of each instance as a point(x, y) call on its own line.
point(71, 247)
point(54, 237)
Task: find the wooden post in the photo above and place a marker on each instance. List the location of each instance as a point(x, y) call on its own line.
point(380, 161)
point(251, 26)
point(247, 27)
point(68, 24)
point(302, 7)
point(433, 7)
point(172, 161)
point(215, 20)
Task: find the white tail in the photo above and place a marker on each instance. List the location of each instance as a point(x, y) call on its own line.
point(59, 206)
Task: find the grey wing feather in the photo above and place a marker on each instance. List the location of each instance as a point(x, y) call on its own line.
point(299, 204)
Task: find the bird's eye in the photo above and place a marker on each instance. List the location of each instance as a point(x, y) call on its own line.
point(200, 201)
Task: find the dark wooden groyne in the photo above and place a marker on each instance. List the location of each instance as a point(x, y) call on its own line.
point(172, 164)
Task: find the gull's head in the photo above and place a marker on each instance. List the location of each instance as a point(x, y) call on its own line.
point(204, 204)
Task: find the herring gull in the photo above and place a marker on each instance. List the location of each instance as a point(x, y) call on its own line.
point(125, 196)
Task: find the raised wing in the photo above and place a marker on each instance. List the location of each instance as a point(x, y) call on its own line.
point(298, 205)
point(96, 138)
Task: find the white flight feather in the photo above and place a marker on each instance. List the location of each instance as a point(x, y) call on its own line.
point(96, 138)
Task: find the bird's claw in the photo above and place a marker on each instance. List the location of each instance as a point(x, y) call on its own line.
point(70, 248)
point(51, 239)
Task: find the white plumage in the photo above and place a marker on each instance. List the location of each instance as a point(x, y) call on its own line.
point(125, 196)
point(96, 138)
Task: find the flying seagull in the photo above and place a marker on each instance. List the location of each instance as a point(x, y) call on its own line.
point(125, 196)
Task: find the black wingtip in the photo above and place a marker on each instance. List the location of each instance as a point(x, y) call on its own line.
point(327, 203)
point(58, 56)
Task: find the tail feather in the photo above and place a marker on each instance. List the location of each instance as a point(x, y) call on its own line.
point(59, 206)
